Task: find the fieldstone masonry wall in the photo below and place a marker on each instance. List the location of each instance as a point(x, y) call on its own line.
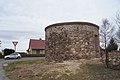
point(72, 40)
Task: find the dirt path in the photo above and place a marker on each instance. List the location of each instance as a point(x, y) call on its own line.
point(2, 74)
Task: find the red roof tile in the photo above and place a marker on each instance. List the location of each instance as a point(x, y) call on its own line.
point(37, 44)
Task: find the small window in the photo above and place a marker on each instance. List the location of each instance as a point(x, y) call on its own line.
point(96, 43)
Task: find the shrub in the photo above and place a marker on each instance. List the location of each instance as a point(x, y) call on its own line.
point(1, 56)
point(112, 46)
point(33, 55)
point(8, 51)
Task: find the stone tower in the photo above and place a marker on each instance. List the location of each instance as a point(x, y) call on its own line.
point(71, 40)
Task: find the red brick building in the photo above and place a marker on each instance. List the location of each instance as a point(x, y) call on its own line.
point(36, 46)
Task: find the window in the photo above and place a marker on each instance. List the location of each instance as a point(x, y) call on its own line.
point(38, 52)
point(96, 43)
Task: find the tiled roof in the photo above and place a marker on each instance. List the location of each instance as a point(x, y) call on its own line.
point(37, 44)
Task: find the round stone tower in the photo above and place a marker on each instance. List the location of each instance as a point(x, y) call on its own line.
point(71, 40)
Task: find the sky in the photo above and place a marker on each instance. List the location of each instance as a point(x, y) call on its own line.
point(22, 20)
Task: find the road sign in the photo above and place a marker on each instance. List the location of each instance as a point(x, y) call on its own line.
point(15, 43)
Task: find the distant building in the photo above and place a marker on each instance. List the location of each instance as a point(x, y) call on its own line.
point(36, 46)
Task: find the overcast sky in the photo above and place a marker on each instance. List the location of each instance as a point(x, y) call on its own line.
point(21, 20)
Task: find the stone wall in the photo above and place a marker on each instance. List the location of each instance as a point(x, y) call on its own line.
point(76, 40)
point(112, 54)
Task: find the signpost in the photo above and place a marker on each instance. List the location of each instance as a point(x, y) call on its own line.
point(0, 43)
point(15, 44)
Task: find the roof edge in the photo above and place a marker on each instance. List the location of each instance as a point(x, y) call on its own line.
point(70, 23)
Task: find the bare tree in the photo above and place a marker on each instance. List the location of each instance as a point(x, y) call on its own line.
point(105, 35)
point(117, 20)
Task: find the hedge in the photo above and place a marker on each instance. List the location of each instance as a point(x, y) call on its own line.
point(33, 55)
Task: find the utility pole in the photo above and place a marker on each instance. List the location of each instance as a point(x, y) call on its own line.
point(0, 43)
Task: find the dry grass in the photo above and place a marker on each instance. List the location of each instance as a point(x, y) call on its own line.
point(68, 70)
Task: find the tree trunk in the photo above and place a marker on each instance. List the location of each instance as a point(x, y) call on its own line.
point(107, 59)
point(106, 54)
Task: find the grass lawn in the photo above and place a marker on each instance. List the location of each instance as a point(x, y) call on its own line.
point(68, 70)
